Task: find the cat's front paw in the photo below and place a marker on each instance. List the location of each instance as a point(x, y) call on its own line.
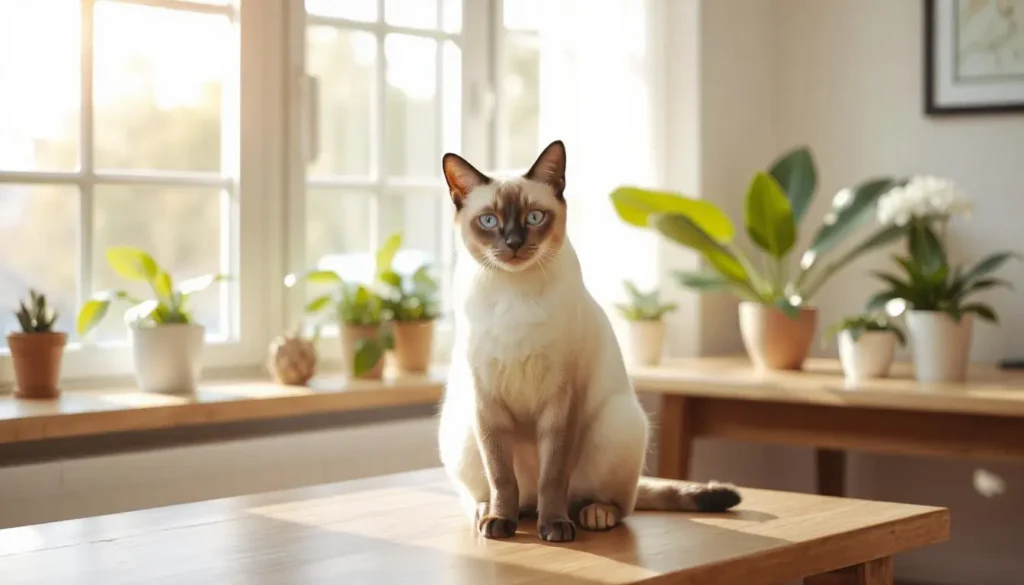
point(497, 527)
point(559, 530)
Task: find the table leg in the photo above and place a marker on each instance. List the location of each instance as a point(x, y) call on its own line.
point(876, 572)
point(675, 438)
point(831, 471)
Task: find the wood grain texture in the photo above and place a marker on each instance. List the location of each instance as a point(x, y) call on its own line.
point(85, 412)
point(987, 391)
point(875, 572)
point(408, 528)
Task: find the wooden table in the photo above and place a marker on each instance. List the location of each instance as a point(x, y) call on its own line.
point(94, 412)
point(725, 397)
point(408, 528)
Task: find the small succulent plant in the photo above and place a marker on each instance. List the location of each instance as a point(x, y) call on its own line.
point(37, 317)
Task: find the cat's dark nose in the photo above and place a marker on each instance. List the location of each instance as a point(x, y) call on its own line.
point(514, 241)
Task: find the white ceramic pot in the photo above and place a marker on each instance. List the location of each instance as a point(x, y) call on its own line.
point(168, 358)
point(646, 341)
point(869, 356)
point(941, 346)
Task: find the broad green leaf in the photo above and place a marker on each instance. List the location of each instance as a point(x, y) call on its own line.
point(703, 281)
point(391, 277)
point(986, 283)
point(796, 174)
point(682, 230)
point(91, 314)
point(983, 311)
point(322, 277)
point(200, 283)
point(387, 251)
point(163, 287)
point(423, 281)
point(926, 248)
point(362, 295)
point(769, 217)
point(859, 211)
point(318, 304)
point(132, 263)
point(989, 264)
point(879, 238)
point(368, 353)
point(636, 207)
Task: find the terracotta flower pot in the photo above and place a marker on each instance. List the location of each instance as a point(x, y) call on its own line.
point(941, 346)
point(350, 336)
point(646, 340)
point(414, 341)
point(773, 340)
point(37, 359)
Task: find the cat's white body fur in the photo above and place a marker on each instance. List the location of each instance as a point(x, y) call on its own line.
point(526, 336)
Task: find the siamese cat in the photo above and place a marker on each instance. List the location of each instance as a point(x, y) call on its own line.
point(539, 415)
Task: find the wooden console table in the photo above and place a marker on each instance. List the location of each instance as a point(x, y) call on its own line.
point(409, 528)
point(725, 397)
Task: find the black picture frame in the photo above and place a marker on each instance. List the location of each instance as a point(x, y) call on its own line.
point(932, 107)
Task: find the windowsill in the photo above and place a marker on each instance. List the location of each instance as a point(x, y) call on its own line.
point(79, 413)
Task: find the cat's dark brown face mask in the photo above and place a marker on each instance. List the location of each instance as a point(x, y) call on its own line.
point(510, 224)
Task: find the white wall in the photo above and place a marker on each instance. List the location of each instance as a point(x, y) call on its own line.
point(846, 78)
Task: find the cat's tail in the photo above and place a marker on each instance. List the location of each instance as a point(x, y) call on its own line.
point(667, 495)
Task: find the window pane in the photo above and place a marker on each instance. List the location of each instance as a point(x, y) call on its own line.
point(362, 10)
point(520, 100)
point(38, 248)
point(416, 214)
point(158, 87)
point(344, 62)
point(39, 77)
point(452, 92)
point(452, 16)
point(179, 227)
point(411, 106)
point(521, 14)
point(411, 13)
point(338, 227)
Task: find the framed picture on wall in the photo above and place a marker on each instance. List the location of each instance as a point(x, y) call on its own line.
point(974, 56)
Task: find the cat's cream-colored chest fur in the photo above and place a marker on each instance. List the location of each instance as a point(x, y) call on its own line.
point(520, 341)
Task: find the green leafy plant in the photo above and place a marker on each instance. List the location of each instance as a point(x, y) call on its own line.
point(870, 321)
point(356, 304)
point(776, 202)
point(36, 317)
point(643, 306)
point(930, 283)
point(413, 297)
point(170, 302)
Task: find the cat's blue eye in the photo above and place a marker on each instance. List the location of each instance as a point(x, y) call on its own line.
point(488, 221)
point(535, 217)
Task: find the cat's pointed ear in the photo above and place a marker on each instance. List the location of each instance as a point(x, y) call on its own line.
point(462, 177)
point(549, 168)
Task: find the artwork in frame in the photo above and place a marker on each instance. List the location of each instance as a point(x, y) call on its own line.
point(974, 56)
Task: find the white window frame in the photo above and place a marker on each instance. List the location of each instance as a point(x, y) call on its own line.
point(476, 141)
point(268, 181)
point(247, 168)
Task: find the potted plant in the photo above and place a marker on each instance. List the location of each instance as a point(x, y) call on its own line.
point(644, 312)
point(167, 343)
point(934, 293)
point(413, 310)
point(867, 345)
point(359, 311)
point(777, 321)
point(37, 350)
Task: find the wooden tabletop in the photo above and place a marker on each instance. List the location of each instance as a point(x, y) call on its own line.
point(408, 528)
point(91, 412)
point(988, 390)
